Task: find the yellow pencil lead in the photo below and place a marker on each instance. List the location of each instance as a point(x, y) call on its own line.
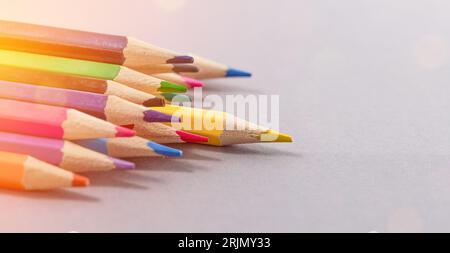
point(273, 136)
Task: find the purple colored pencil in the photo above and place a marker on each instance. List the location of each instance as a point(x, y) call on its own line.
point(63, 154)
point(111, 108)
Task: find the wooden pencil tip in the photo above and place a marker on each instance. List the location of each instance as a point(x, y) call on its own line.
point(80, 181)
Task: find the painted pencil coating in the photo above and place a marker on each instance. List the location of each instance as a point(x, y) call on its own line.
point(90, 103)
point(114, 109)
point(32, 119)
point(45, 149)
point(62, 42)
point(99, 70)
point(54, 122)
point(58, 64)
point(52, 79)
point(91, 46)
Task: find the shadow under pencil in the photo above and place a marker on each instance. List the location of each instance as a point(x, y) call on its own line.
point(118, 179)
point(164, 164)
point(59, 194)
point(191, 151)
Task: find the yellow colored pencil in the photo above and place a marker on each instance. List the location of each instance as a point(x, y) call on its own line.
point(242, 131)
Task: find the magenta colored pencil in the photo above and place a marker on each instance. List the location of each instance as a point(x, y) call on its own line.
point(55, 122)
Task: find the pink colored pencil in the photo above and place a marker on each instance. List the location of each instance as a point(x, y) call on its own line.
point(110, 108)
point(55, 122)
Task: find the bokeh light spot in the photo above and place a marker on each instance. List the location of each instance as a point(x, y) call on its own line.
point(170, 5)
point(431, 52)
point(404, 220)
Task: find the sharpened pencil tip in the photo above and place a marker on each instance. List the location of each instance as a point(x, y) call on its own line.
point(231, 72)
point(193, 83)
point(122, 164)
point(185, 68)
point(154, 102)
point(164, 150)
point(155, 116)
point(80, 181)
point(181, 59)
point(171, 87)
point(194, 138)
point(124, 132)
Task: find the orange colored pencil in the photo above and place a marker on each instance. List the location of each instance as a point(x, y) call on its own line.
point(23, 172)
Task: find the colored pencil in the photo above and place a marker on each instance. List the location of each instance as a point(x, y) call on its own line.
point(167, 68)
point(209, 69)
point(111, 108)
point(179, 79)
point(64, 154)
point(120, 50)
point(106, 71)
point(23, 172)
point(243, 131)
point(129, 147)
point(55, 122)
point(100, 86)
point(166, 134)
